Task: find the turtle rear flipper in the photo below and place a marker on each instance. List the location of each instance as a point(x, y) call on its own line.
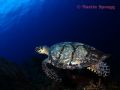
point(100, 68)
point(50, 72)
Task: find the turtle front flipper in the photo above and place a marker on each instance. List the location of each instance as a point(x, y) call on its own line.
point(49, 71)
point(100, 68)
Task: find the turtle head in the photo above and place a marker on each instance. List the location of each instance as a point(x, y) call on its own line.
point(42, 50)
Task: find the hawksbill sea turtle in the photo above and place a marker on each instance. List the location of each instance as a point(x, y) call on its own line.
point(73, 55)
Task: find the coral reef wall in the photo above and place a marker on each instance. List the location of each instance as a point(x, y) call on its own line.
point(30, 76)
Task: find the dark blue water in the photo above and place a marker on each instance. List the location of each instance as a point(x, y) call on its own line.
point(46, 22)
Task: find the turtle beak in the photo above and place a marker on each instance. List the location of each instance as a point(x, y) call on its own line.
point(37, 49)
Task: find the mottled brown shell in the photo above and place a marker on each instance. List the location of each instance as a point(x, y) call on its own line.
point(73, 55)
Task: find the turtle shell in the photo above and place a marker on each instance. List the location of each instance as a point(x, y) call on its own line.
point(74, 55)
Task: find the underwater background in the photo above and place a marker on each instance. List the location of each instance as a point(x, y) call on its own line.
point(25, 24)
